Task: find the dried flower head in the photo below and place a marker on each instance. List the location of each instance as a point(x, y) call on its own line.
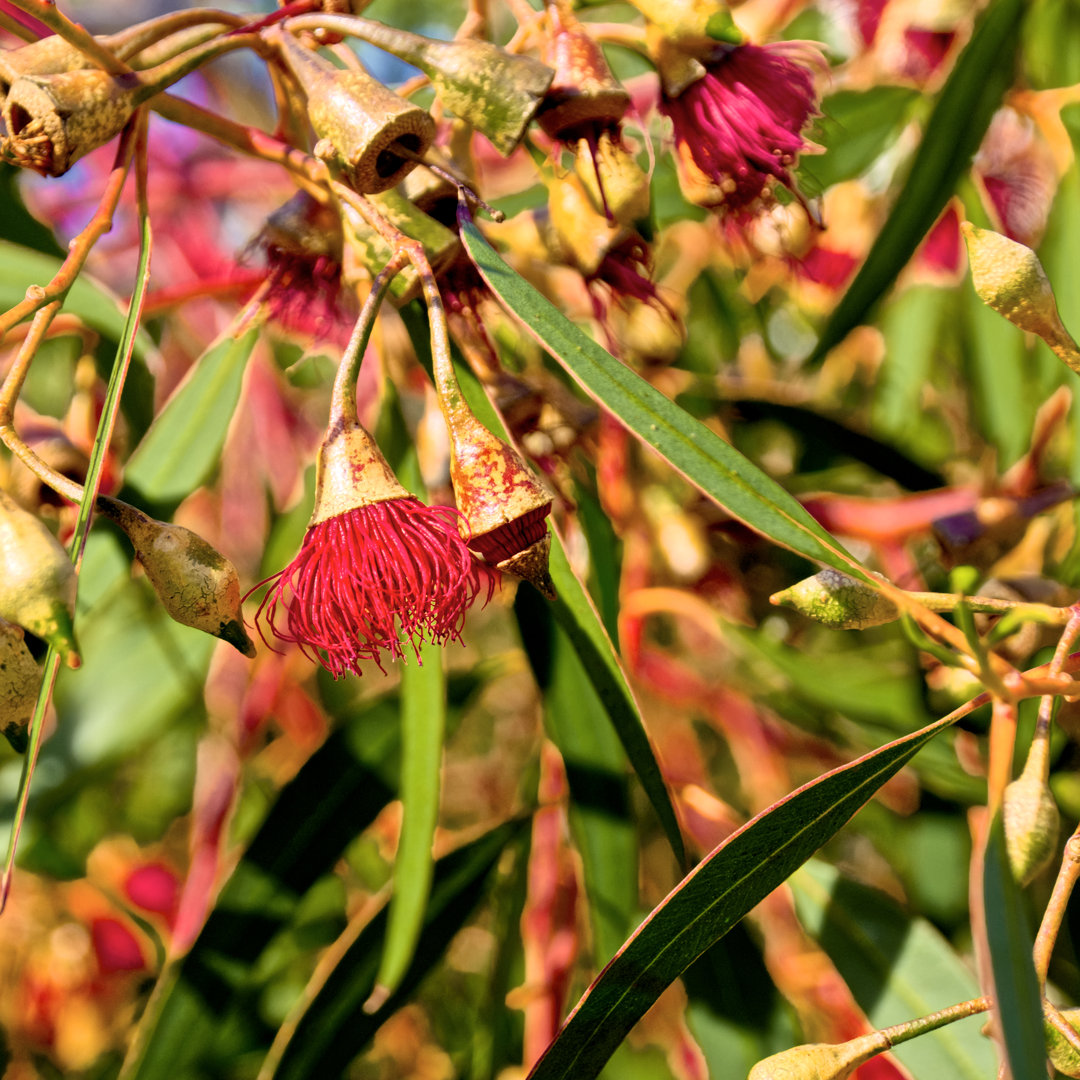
point(738, 129)
point(377, 569)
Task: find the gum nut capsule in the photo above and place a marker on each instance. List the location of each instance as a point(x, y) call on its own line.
point(37, 580)
point(20, 679)
point(196, 584)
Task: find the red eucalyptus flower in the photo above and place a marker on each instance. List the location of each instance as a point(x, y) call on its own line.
point(739, 127)
point(377, 568)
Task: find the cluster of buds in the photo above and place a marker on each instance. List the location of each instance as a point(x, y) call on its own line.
point(384, 180)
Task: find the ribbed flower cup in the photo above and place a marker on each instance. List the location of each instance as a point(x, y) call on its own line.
point(378, 570)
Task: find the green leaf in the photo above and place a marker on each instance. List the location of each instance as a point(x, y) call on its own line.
point(423, 729)
point(184, 443)
point(333, 1026)
point(600, 820)
point(205, 1011)
point(687, 444)
point(1016, 987)
point(856, 126)
point(983, 72)
point(21, 267)
point(576, 614)
point(710, 900)
point(898, 968)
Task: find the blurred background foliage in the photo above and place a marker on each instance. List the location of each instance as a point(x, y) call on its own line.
point(175, 767)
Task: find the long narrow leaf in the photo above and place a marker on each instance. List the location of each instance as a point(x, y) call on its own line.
point(687, 444)
point(595, 770)
point(334, 1026)
point(974, 90)
point(423, 727)
point(205, 1010)
point(184, 444)
point(1016, 987)
point(713, 898)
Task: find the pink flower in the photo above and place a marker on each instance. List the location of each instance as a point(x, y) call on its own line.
point(368, 580)
point(739, 127)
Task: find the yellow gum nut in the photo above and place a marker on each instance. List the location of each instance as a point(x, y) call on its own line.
point(195, 583)
point(1060, 1051)
point(37, 580)
point(1009, 278)
point(819, 1061)
point(20, 679)
point(837, 600)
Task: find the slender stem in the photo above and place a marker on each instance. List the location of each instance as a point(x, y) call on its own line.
point(1055, 909)
point(38, 296)
point(343, 397)
point(1062, 1026)
point(9, 394)
point(900, 1033)
point(16, 28)
point(136, 129)
point(992, 605)
point(47, 12)
point(249, 140)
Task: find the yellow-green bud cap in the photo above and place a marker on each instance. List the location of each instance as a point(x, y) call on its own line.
point(1032, 823)
point(20, 679)
point(37, 580)
point(837, 600)
point(196, 584)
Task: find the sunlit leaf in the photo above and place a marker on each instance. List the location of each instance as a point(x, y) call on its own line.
point(735, 877)
point(183, 446)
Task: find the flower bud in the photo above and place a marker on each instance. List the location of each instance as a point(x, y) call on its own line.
point(1060, 1051)
point(837, 600)
point(495, 91)
point(196, 584)
point(53, 54)
point(502, 501)
point(37, 580)
point(20, 679)
point(584, 94)
point(368, 249)
point(1032, 822)
point(818, 1061)
point(1009, 278)
point(357, 119)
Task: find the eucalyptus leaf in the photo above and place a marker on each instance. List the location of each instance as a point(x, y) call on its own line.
point(710, 900)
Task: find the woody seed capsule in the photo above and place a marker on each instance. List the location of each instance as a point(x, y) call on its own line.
point(196, 584)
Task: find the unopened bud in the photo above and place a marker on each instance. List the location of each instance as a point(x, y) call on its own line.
point(1063, 1056)
point(837, 600)
point(1032, 822)
point(20, 679)
point(196, 584)
point(358, 120)
point(504, 505)
point(819, 1061)
point(37, 580)
point(1009, 278)
point(497, 92)
point(582, 233)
